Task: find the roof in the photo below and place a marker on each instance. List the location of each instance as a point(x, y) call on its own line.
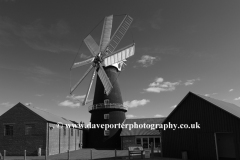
point(226, 106)
point(47, 115)
point(229, 107)
point(141, 131)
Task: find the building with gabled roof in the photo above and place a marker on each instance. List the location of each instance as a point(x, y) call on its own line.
point(207, 128)
point(32, 129)
point(143, 131)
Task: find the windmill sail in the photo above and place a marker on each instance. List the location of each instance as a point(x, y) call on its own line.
point(86, 73)
point(119, 55)
point(105, 80)
point(82, 63)
point(92, 45)
point(89, 88)
point(107, 47)
point(106, 32)
point(118, 35)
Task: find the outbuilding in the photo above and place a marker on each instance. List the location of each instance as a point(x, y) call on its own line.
point(34, 130)
point(207, 128)
point(141, 131)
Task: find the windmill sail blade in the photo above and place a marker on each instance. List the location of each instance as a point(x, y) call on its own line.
point(118, 35)
point(106, 32)
point(82, 63)
point(89, 88)
point(119, 55)
point(86, 73)
point(105, 80)
point(92, 45)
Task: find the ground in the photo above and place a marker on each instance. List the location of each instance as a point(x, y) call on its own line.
point(85, 154)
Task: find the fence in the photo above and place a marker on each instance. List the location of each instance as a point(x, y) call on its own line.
point(77, 155)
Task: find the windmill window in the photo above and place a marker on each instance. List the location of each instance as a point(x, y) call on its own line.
point(106, 116)
point(106, 101)
point(106, 132)
point(8, 130)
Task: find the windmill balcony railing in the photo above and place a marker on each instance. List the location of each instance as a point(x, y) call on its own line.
point(107, 106)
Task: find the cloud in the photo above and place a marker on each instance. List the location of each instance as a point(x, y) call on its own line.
point(136, 103)
point(160, 86)
point(51, 38)
point(237, 99)
point(73, 101)
point(191, 81)
point(231, 90)
point(174, 106)
point(147, 60)
point(158, 115)
point(39, 95)
point(130, 116)
point(210, 94)
point(70, 104)
point(156, 20)
point(43, 109)
point(7, 104)
point(38, 74)
point(138, 24)
point(78, 98)
point(28, 104)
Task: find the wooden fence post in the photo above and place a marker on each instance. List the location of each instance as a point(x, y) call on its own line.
point(24, 154)
point(4, 154)
point(91, 154)
point(68, 155)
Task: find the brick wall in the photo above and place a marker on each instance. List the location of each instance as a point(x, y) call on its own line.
point(44, 132)
point(19, 116)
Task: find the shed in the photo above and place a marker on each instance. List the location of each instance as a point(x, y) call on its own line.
point(28, 128)
point(143, 131)
point(207, 128)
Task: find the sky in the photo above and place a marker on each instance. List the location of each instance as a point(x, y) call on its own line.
point(181, 46)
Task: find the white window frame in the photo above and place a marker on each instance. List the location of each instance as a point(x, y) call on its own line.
point(106, 116)
point(106, 132)
point(106, 101)
point(141, 137)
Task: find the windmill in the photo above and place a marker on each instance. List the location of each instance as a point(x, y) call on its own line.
point(106, 62)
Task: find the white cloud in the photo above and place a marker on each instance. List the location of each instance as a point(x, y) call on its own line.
point(156, 20)
point(28, 104)
point(130, 116)
point(39, 95)
point(174, 106)
point(74, 101)
point(210, 94)
point(160, 86)
point(78, 98)
point(136, 103)
point(237, 99)
point(158, 115)
point(191, 81)
point(230, 90)
point(70, 104)
point(147, 60)
point(7, 104)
